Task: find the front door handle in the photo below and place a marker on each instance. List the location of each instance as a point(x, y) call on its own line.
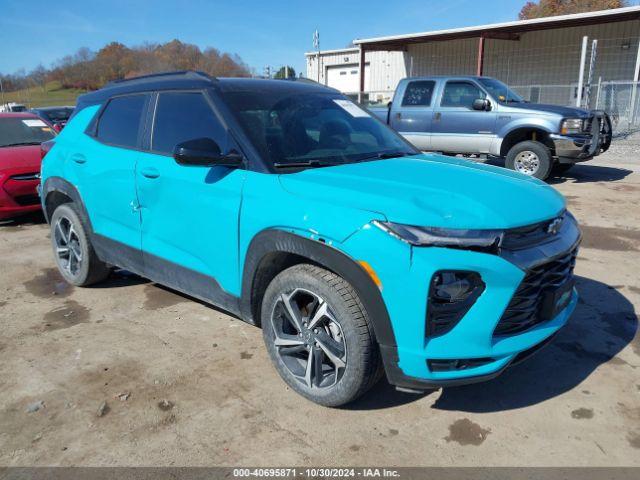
point(150, 172)
point(79, 158)
point(399, 115)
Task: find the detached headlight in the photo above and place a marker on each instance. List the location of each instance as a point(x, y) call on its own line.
point(571, 126)
point(443, 237)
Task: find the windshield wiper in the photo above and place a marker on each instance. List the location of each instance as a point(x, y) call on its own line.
point(20, 144)
point(307, 163)
point(384, 155)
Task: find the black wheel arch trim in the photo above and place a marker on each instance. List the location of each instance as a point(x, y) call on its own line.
point(279, 241)
point(59, 184)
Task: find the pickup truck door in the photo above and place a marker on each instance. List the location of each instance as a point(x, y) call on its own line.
point(456, 126)
point(412, 111)
point(189, 213)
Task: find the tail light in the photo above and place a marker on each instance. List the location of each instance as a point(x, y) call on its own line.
point(45, 147)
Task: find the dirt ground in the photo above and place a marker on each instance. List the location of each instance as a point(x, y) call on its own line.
point(185, 384)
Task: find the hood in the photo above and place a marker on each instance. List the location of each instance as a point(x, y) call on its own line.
point(22, 159)
point(431, 190)
point(566, 112)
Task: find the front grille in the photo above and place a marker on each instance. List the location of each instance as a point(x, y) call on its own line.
point(530, 235)
point(587, 123)
point(26, 200)
point(523, 312)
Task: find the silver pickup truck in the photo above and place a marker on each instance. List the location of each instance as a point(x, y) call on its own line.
point(483, 116)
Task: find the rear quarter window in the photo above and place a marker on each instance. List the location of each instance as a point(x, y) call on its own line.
point(121, 121)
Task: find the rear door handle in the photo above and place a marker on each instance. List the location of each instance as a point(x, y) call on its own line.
point(79, 158)
point(437, 116)
point(150, 172)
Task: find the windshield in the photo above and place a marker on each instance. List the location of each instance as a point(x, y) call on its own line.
point(313, 129)
point(500, 91)
point(15, 131)
point(58, 115)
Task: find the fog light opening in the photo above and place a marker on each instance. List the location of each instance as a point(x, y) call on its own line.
point(451, 294)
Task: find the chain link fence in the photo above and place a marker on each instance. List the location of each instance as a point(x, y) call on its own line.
point(621, 100)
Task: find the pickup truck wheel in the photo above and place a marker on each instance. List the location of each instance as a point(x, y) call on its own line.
point(530, 158)
point(74, 255)
point(318, 336)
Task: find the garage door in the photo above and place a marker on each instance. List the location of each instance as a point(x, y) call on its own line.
point(345, 77)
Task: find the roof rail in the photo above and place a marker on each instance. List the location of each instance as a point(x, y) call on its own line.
point(161, 74)
point(302, 80)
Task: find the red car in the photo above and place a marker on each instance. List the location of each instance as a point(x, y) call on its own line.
point(21, 135)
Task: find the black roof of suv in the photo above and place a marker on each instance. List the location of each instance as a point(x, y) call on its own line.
point(189, 79)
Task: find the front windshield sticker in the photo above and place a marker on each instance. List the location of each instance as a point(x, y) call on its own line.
point(34, 123)
point(351, 108)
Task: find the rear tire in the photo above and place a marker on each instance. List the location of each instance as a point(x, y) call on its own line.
point(530, 158)
point(75, 257)
point(318, 335)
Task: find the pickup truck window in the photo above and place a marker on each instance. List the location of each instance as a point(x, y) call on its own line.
point(460, 94)
point(313, 129)
point(182, 116)
point(418, 93)
point(500, 91)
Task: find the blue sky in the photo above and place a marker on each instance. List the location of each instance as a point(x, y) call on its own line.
point(262, 32)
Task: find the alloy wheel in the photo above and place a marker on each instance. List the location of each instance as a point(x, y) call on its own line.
point(308, 339)
point(527, 162)
point(67, 244)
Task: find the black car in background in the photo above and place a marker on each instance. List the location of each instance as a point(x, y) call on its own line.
point(56, 116)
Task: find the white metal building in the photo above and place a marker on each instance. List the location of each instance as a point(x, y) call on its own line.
point(340, 69)
point(541, 58)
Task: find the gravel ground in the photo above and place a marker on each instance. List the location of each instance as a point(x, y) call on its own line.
point(131, 373)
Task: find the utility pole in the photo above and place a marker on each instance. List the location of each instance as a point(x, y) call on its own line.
point(2, 90)
point(316, 45)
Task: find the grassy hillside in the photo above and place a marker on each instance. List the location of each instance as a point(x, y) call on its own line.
point(52, 95)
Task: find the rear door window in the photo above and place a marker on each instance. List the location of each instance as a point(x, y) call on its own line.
point(182, 116)
point(121, 121)
point(418, 93)
point(461, 94)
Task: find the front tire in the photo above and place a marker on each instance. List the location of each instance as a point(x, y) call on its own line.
point(318, 336)
point(530, 158)
point(75, 257)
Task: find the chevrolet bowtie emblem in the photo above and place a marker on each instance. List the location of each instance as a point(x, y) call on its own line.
point(554, 227)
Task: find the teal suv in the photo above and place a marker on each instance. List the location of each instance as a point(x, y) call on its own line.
point(288, 205)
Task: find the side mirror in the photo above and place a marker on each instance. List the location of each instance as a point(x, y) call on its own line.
point(481, 104)
point(204, 152)
point(57, 127)
point(389, 104)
